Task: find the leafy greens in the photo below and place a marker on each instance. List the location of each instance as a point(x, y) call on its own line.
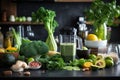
point(47, 17)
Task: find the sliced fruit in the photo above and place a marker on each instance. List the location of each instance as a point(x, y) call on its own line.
point(100, 63)
point(87, 64)
point(98, 57)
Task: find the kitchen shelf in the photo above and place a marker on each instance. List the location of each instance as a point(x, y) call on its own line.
point(73, 0)
point(52, 0)
point(21, 23)
point(116, 22)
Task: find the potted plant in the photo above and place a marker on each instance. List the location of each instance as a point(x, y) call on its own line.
point(102, 14)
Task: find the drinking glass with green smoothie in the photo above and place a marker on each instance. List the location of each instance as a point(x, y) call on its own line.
point(68, 47)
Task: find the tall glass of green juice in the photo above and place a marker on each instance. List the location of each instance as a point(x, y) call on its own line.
point(68, 47)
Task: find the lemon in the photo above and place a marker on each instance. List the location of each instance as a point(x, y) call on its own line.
point(92, 37)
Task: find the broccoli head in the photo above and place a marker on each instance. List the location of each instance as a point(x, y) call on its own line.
point(33, 48)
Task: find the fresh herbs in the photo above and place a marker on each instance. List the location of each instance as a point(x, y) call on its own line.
point(47, 17)
point(54, 62)
point(101, 14)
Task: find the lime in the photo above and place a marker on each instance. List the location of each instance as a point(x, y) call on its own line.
point(30, 59)
point(92, 56)
point(108, 58)
point(81, 62)
point(109, 63)
point(89, 60)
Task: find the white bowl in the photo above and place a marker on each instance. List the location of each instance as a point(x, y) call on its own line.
point(33, 66)
point(95, 44)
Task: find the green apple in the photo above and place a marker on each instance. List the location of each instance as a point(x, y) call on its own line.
point(23, 18)
point(16, 18)
point(20, 19)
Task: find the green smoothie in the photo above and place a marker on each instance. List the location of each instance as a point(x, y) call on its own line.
point(68, 51)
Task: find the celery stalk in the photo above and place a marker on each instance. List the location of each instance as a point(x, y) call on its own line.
point(47, 17)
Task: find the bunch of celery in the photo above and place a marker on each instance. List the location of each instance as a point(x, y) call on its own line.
point(47, 17)
point(17, 39)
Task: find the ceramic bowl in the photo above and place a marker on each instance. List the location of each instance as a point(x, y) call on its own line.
point(95, 44)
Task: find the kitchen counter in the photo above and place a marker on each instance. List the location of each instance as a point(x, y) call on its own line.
point(103, 74)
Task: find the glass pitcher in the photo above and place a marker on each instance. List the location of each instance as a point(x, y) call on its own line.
point(113, 50)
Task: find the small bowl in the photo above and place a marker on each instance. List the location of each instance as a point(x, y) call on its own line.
point(34, 66)
point(95, 44)
point(83, 53)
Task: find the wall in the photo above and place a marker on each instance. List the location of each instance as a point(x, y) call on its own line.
point(67, 14)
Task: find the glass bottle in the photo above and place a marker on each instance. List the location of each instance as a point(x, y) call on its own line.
point(9, 35)
point(1, 39)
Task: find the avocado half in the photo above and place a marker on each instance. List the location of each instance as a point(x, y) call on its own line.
point(99, 57)
point(100, 63)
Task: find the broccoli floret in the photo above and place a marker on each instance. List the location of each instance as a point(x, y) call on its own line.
point(33, 48)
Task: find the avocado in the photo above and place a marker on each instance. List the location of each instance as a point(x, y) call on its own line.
point(100, 63)
point(98, 57)
point(94, 67)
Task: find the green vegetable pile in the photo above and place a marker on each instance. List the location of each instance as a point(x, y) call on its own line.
point(54, 62)
point(47, 17)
